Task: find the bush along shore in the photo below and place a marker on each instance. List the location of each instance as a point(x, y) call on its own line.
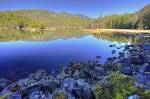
point(124, 77)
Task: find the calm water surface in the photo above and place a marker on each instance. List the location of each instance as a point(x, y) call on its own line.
point(20, 58)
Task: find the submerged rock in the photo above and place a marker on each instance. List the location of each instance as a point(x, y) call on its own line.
point(98, 57)
point(112, 45)
point(113, 51)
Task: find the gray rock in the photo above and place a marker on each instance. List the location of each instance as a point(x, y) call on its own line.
point(146, 46)
point(4, 83)
point(144, 68)
point(16, 96)
point(23, 83)
point(49, 88)
point(135, 96)
point(82, 83)
point(60, 94)
point(61, 75)
point(82, 93)
point(76, 75)
point(40, 74)
point(39, 95)
point(136, 60)
point(11, 95)
point(127, 70)
point(147, 58)
point(32, 89)
point(69, 84)
point(140, 78)
point(87, 93)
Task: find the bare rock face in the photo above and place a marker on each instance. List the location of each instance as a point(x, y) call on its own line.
point(94, 26)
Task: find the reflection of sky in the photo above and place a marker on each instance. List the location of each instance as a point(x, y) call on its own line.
point(49, 54)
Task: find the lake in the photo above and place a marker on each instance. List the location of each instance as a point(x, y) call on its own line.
point(20, 58)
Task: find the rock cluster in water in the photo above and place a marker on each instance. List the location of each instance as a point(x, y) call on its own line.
point(123, 77)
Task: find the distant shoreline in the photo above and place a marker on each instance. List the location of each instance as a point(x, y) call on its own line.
point(114, 31)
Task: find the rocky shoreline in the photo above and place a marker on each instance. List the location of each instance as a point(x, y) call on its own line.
point(124, 77)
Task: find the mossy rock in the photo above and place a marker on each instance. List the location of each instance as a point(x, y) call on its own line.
point(6, 96)
point(60, 94)
point(115, 86)
point(145, 95)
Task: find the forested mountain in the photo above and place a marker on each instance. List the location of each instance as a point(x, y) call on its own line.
point(41, 19)
point(45, 20)
point(143, 17)
point(138, 20)
point(116, 21)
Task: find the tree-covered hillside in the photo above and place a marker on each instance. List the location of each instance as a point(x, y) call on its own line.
point(116, 21)
point(143, 17)
point(36, 20)
point(40, 19)
point(138, 20)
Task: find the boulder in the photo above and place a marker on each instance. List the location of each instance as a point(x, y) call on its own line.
point(127, 70)
point(135, 96)
point(76, 74)
point(147, 58)
point(23, 83)
point(11, 95)
point(147, 69)
point(60, 94)
point(115, 86)
point(82, 90)
point(140, 78)
point(146, 46)
point(29, 90)
point(16, 96)
point(50, 87)
point(78, 88)
point(136, 60)
point(69, 84)
point(39, 95)
point(40, 74)
point(4, 83)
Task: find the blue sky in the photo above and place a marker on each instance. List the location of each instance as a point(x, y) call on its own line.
point(91, 8)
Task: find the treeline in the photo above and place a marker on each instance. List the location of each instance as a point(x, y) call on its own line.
point(37, 20)
point(138, 20)
point(117, 21)
point(40, 20)
point(16, 20)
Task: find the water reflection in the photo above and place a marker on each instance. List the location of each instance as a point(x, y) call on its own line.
point(20, 58)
